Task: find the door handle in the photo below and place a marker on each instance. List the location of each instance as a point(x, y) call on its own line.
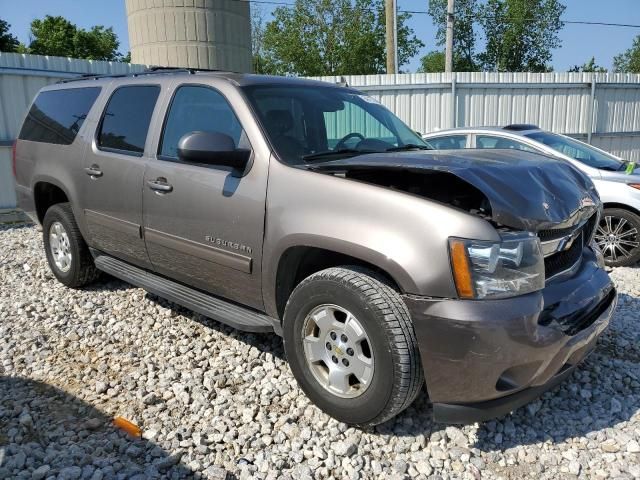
point(93, 171)
point(160, 185)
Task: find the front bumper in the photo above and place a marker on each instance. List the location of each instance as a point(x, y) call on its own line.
point(483, 359)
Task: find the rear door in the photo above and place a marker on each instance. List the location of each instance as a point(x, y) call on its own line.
point(204, 225)
point(114, 167)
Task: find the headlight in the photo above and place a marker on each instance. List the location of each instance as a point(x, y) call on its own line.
point(484, 269)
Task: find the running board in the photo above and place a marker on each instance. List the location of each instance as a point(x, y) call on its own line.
point(224, 312)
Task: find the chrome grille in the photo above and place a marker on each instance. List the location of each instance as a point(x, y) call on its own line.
point(562, 247)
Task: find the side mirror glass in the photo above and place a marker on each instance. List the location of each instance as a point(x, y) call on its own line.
point(212, 148)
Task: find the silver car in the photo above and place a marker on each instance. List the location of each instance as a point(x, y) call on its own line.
point(617, 182)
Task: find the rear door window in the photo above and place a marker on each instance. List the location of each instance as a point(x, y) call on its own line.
point(57, 115)
point(490, 141)
point(449, 142)
point(125, 122)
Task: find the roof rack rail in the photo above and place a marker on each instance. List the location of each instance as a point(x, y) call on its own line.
point(152, 70)
point(518, 127)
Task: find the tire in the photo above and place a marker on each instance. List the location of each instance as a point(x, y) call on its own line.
point(77, 268)
point(618, 236)
point(393, 370)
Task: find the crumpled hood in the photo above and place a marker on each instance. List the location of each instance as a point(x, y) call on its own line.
point(525, 190)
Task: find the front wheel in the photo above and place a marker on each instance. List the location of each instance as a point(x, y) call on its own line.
point(351, 345)
point(618, 236)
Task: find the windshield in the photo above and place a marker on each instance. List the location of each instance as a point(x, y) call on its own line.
point(579, 151)
point(305, 123)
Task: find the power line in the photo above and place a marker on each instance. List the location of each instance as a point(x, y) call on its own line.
point(424, 12)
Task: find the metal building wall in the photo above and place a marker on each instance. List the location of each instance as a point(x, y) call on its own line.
point(21, 76)
point(603, 109)
point(212, 34)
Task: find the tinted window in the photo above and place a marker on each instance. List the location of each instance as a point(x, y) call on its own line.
point(451, 142)
point(579, 151)
point(198, 109)
point(126, 119)
point(57, 115)
point(488, 141)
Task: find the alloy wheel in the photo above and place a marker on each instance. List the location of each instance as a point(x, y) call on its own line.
point(616, 237)
point(60, 247)
point(338, 351)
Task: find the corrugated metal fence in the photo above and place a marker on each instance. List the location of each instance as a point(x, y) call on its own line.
point(603, 109)
point(21, 76)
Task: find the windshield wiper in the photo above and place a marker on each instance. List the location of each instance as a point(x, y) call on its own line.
point(408, 146)
point(348, 152)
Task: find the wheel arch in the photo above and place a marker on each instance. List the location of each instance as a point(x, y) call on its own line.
point(298, 262)
point(46, 193)
point(621, 206)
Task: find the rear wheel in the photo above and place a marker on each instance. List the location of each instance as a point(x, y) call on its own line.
point(67, 253)
point(618, 236)
point(351, 345)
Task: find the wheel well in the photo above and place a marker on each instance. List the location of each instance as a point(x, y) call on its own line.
point(297, 263)
point(621, 206)
point(46, 195)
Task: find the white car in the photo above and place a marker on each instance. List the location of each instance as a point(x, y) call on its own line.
point(617, 182)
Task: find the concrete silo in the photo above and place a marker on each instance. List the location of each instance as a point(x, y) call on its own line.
point(190, 33)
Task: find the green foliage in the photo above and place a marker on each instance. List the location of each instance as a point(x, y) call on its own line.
point(261, 62)
point(58, 36)
point(520, 34)
point(628, 61)
point(325, 37)
point(8, 42)
point(464, 38)
point(432, 62)
point(589, 67)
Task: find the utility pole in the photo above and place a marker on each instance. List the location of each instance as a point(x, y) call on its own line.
point(391, 36)
point(448, 64)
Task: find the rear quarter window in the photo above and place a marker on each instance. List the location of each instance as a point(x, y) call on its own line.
point(56, 116)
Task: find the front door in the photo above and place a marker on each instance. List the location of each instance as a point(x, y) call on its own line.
point(114, 167)
point(203, 225)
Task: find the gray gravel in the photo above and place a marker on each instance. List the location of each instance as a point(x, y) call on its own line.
point(214, 402)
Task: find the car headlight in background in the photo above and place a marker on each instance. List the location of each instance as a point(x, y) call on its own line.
point(485, 269)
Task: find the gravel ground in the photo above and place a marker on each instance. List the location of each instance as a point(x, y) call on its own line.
point(216, 403)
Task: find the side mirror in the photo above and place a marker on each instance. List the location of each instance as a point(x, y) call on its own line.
point(212, 148)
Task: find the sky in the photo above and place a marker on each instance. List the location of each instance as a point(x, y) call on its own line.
point(579, 42)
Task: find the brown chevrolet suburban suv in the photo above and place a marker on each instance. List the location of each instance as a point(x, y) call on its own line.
point(309, 210)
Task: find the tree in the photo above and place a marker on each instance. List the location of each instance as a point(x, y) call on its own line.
point(261, 62)
point(629, 61)
point(589, 67)
point(432, 62)
point(520, 34)
point(464, 38)
point(58, 36)
point(8, 42)
point(340, 37)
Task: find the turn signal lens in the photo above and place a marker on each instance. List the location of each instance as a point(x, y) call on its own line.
point(461, 269)
point(634, 185)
